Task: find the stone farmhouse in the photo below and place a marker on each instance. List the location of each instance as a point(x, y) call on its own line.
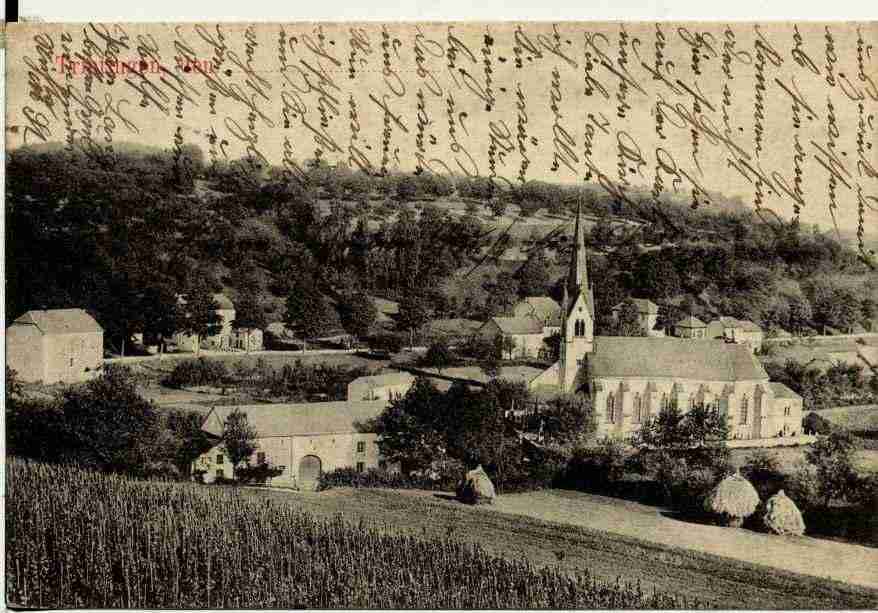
point(632, 378)
point(58, 345)
point(223, 339)
point(303, 440)
point(690, 327)
point(736, 331)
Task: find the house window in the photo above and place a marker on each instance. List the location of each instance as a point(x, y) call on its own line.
point(220, 474)
point(638, 408)
point(260, 457)
point(611, 407)
point(361, 447)
point(219, 458)
point(786, 411)
point(361, 466)
point(745, 405)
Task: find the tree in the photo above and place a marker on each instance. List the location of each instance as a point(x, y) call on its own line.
point(533, 276)
point(249, 315)
point(414, 312)
point(308, 313)
point(439, 355)
point(627, 320)
point(656, 277)
point(832, 457)
point(357, 313)
point(109, 425)
point(406, 188)
point(201, 318)
point(239, 438)
point(567, 420)
point(409, 431)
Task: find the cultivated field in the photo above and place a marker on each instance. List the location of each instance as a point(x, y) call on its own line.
point(84, 540)
point(865, 460)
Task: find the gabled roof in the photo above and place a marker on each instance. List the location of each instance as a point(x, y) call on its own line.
point(647, 307)
point(297, 419)
point(518, 325)
point(782, 391)
point(60, 321)
point(395, 378)
point(690, 322)
point(708, 360)
point(384, 306)
point(541, 307)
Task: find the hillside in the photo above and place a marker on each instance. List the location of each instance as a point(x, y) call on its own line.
point(123, 235)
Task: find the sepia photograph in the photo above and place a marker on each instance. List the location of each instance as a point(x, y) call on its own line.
point(441, 315)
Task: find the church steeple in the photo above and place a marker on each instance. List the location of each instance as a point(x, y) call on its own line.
point(577, 324)
point(577, 278)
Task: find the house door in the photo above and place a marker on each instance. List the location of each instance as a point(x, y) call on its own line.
point(309, 469)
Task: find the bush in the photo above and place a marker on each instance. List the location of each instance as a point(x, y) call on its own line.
point(197, 372)
point(762, 469)
point(377, 477)
point(803, 487)
point(596, 467)
point(258, 474)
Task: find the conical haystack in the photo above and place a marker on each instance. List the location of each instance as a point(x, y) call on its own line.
point(733, 500)
point(782, 516)
point(476, 488)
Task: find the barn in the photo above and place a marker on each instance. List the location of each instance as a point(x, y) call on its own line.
point(302, 439)
point(57, 345)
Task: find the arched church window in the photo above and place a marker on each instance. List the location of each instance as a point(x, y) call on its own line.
point(611, 407)
point(579, 328)
point(638, 409)
point(665, 404)
point(745, 406)
point(691, 401)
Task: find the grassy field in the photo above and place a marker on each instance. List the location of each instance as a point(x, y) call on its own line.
point(866, 460)
point(722, 582)
point(863, 418)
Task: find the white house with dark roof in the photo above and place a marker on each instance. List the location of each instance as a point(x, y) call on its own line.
point(690, 327)
point(302, 439)
point(65, 345)
point(631, 379)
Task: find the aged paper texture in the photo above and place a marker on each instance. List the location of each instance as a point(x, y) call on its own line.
point(611, 285)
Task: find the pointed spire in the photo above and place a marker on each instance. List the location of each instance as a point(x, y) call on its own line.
point(578, 277)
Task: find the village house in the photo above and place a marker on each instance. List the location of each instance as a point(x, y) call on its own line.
point(527, 335)
point(690, 327)
point(247, 339)
point(542, 308)
point(739, 331)
point(630, 379)
point(380, 387)
point(304, 440)
point(221, 340)
point(65, 345)
point(647, 315)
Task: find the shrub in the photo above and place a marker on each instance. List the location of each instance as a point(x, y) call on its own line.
point(377, 477)
point(596, 467)
point(197, 372)
point(762, 469)
point(258, 474)
point(803, 486)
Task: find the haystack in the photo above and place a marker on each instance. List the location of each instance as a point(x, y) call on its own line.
point(733, 500)
point(476, 488)
point(782, 516)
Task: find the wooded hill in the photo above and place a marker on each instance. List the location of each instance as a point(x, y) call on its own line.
point(124, 234)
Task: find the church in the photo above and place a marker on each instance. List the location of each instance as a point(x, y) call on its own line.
point(631, 379)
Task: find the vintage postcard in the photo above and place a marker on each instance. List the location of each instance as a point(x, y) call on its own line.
point(455, 315)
